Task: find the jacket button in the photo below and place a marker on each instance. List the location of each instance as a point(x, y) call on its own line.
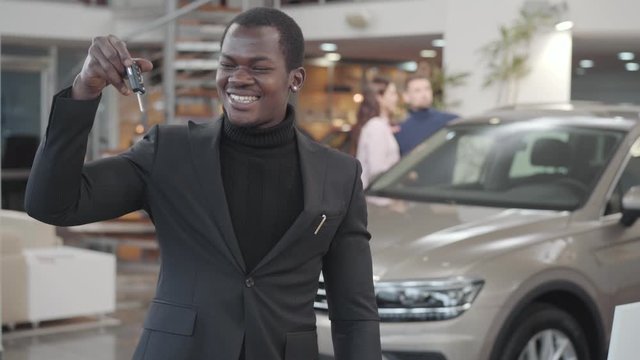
point(248, 282)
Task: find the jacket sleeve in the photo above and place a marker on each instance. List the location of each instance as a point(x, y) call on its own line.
point(347, 272)
point(64, 191)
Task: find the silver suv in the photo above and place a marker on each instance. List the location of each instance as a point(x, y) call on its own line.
point(507, 236)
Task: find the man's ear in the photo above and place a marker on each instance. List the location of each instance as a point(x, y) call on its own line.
point(296, 79)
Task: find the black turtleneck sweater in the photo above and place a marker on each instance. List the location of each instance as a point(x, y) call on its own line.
point(262, 183)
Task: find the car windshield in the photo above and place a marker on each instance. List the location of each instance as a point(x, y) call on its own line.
point(533, 165)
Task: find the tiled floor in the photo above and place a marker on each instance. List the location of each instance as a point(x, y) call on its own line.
point(135, 288)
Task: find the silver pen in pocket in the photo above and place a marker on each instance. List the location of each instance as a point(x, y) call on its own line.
point(324, 218)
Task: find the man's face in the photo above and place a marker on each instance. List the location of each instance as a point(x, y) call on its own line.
point(252, 79)
point(418, 94)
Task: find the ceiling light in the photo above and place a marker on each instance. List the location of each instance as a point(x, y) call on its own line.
point(631, 66)
point(626, 56)
point(410, 66)
point(564, 25)
point(428, 53)
point(358, 98)
point(333, 56)
point(586, 64)
point(329, 47)
point(438, 43)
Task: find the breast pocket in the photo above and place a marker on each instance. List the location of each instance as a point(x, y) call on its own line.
point(325, 226)
point(168, 332)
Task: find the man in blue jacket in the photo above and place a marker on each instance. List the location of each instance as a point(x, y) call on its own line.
point(423, 120)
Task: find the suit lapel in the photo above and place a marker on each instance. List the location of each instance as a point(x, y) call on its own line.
point(313, 164)
point(205, 149)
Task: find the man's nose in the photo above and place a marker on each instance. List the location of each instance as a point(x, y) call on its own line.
point(241, 76)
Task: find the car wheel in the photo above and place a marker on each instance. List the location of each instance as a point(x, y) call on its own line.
point(545, 332)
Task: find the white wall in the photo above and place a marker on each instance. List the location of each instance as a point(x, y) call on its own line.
point(388, 18)
point(550, 77)
point(466, 32)
point(46, 20)
point(605, 17)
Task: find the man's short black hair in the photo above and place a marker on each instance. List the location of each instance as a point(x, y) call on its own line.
point(291, 39)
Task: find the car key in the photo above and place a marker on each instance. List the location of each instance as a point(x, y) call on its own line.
point(134, 74)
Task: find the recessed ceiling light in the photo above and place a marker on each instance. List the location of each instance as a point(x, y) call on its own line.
point(333, 56)
point(409, 66)
point(329, 47)
point(626, 56)
point(428, 53)
point(631, 66)
point(564, 25)
point(438, 43)
point(586, 63)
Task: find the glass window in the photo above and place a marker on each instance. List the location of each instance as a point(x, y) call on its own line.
point(630, 177)
point(522, 165)
point(533, 164)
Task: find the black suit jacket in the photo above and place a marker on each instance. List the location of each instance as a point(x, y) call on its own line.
point(206, 302)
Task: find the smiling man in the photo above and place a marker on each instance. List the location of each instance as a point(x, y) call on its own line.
point(247, 210)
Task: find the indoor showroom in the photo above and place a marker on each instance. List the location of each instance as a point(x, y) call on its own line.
point(319, 180)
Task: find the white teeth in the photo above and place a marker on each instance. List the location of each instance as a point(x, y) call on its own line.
point(243, 99)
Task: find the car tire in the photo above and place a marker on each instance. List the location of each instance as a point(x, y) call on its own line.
point(540, 333)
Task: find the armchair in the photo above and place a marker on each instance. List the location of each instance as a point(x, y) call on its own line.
point(44, 280)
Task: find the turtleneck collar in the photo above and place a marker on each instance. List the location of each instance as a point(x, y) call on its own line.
point(281, 134)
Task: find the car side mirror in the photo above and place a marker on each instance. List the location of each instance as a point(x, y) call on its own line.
point(630, 206)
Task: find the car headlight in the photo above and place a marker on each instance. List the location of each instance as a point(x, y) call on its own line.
point(426, 300)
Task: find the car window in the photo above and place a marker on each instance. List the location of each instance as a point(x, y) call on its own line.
point(470, 158)
point(522, 166)
point(527, 165)
point(630, 177)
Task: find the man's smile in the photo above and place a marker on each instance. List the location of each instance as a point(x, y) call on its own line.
point(243, 99)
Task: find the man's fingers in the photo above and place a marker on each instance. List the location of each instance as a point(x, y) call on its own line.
point(111, 74)
point(145, 65)
point(111, 54)
point(107, 62)
point(121, 49)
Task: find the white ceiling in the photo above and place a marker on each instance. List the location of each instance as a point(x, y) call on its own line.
point(405, 48)
point(601, 49)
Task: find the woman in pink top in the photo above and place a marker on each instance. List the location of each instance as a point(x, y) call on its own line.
point(377, 148)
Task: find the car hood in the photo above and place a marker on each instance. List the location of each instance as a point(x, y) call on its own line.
point(413, 240)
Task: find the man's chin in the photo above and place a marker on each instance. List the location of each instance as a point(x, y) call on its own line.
point(242, 122)
point(241, 118)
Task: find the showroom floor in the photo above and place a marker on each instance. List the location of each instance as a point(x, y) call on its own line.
point(112, 338)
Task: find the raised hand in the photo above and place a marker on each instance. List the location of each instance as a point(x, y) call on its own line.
point(105, 64)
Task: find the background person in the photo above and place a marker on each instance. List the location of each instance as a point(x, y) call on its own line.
point(377, 148)
point(423, 120)
point(247, 210)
